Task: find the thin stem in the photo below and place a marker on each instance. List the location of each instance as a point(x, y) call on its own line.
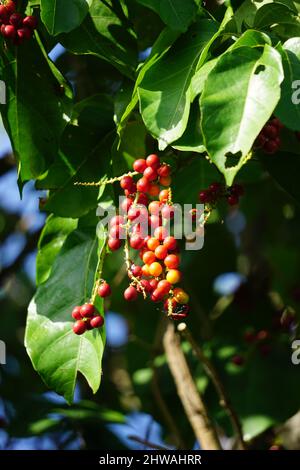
point(213, 374)
point(104, 182)
point(98, 272)
point(192, 401)
point(147, 443)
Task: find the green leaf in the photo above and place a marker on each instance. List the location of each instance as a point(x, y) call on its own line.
point(165, 91)
point(38, 107)
point(104, 34)
point(271, 14)
point(61, 16)
point(57, 354)
point(288, 110)
point(192, 139)
point(52, 238)
point(176, 14)
point(198, 80)
point(239, 96)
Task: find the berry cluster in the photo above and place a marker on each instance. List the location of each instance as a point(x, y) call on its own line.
point(15, 26)
point(147, 208)
point(217, 191)
point(86, 316)
point(269, 138)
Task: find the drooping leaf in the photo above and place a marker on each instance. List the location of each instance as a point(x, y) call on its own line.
point(239, 96)
point(104, 34)
point(288, 109)
point(176, 14)
point(61, 16)
point(52, 238)
point(165, 91)
point(192, 139)
point(56, 352)
point(271, 15)
point(38, 107)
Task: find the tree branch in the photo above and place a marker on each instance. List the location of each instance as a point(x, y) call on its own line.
point(213, 374)
point(191, 400)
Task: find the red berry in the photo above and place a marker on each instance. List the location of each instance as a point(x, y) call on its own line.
point(10, 7)
point(170, 243)
point(126, 182)
point(130, 294)
point(261, 140)
point(136, 270)
point(154, 190)
point(126, 204)
point(216, 187)
point(164, 195)
point(262, 335)
point(117, 232)
point(165, 286)
point(238, 360)
point(150, 174)
point(146, 285)
point(142, 199)
point(8, 31)
point(154, 207)
point(131, 190)
point(24, 33)
point(153, 284)
point(149, 257)
point(158, 295)
point(116, 220)
point(140, 165)
point(205, 196)
point(31, 22)
point(167, 212)
point(114, 244)
point(276, 122)
point(270, 131)
point(164, 171)
point(237, 190)
point(155, 221)
point(161, 252)
point(172, 261)
point(136, 241)
point(173, 303)
point(15, 19)
point(97, 322)
point(153, 161)
point(271, 146)
point(87, 310)
point(79, 327)
point(233, 200)
point(143, 185)
point(160, 233)
point(76, 313)
point(104, 290)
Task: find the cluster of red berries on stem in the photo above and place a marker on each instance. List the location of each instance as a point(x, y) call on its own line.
point(269, 138)
point(87, 317)
point(15, 26)
point(217, 191)
point(148, 208)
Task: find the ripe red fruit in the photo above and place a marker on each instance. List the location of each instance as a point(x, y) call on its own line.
point(158, 295)
point(76, 313)
point(238, 360)
point(172, 261)
point(87, 310)
point(126, 182)
point(153, 161)
point(116, 220)
point(8, 31)
point(154, 190)
point(233, 200)
point(161, 252)
point(164, 286)
point(117, 232)
point(216, 187)
point(149, 257)
point(173, 303)
point(130, 294)
point(140, 165)
point(10, 7)
point(154, 221)
point(126, 204)
point(205, 196)
point(15, 19)
point(164, 195)
point(170, 243)
point(143, 185)
point(31, 22)
point(136, 270)
point(131, 190)
point(136, 241)
point(154, 207)
point(150, 174)
point(153, 284)
point(104, 290)
point(168, 212)
point(164, 171)
point(160, 233)
point(143, 199)
point(271, 146)
point(79, 327)
point(114, 244)
point(97, 321)
point(270, 131)
point(24, 33)
point(146, 285)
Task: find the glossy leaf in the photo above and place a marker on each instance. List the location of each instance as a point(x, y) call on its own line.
point(239, 96)
point(56, 352)
point(61, 16)
point(176, 14)
point(38, 107)
point(165, 108)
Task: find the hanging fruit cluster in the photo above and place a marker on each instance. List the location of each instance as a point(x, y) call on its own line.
point(15, 26)
point(217, 191)
point(269, 138)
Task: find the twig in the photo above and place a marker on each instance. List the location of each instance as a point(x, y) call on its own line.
point(191, 400)
point(147, 443)
point(213, 374)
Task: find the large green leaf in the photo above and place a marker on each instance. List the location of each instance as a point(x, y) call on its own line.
point(61, 16)
point(192, 139)
point(38, 107)
point(52, 238)
point(175, 13)
point(271, 14)
point(288, 109)
point(56, 352)
point(239, 97)
point(165, 91)
point(105, 34)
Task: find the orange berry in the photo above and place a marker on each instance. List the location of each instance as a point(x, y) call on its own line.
point(173, 276)
point(181, 296)
point(172, 261)
point(154, 190)
point(165, 180)
point(152, 243)
point(161, 252)
point(165, 286)
point(154, 207)
point(149, 257)
point(145, 270)
point(170, 243)
point(155, 269)
point(164, 195)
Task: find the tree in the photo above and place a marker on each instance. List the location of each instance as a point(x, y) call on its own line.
point(210, 94)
